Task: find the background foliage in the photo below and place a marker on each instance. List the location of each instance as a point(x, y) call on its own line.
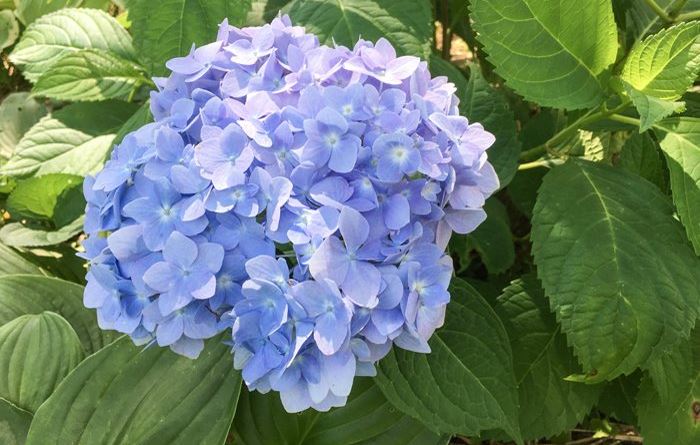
point(575, 302)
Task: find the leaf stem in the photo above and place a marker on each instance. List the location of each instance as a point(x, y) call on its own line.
point(676, 8)
point(688, 16)
point(594, 115)
point(661, 12)
point(624, 119)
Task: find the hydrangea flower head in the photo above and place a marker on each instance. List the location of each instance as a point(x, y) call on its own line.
point(296, 195)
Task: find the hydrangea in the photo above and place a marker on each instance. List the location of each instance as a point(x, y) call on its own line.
point(300, 196)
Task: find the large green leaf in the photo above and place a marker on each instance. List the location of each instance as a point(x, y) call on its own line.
point(555, 53)
point(641, 155)
point(168, 28)
point(32, 294)
point(652, 109)
point(36, 352)
point(89, 75)
point(50, 37)
point(466, 384)
point(665, 64)
point(616, 266)
point(18, 234)
point(669, 397)
point(488, 106)
point(542, 360)
point(128, 395)
point(73, 140)
point(29, 10)
point(37, 197)
point(680, 141)
point(12, 262)
point(407, 25)
point(493, 239)
point(18, 112)
point(366, 419)
point(618, 398)
point(14, 424)
point(9, 29)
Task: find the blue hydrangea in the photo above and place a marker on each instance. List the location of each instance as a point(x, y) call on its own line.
point(296, 195)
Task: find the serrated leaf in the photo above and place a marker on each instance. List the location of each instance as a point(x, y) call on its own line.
point(641, 155)
point(9, 29)
point(680, 141)
point(89, 75)
point(523, 189)
point(542, 359)
point(616, 266)
point(669, 397)
point(618, 398)
point(68, 30)
point(407, 25)
point(19, 234)
point(29, 380)
point(470, 361)
point(484, 104)
point(366, 419)
point(32, 294)
point(129, 395)
point(14, 423)
point(552, 53)
point(665, 64)
point(168, 28)
point(652, 109)
point(493, 239)
point(37, 197)
point(18, 113)
point(29, 10)
point(73, 140)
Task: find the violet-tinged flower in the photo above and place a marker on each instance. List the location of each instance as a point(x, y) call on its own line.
point(381, 63)
point(224, 159)
point(330, 142)
point(396, 156)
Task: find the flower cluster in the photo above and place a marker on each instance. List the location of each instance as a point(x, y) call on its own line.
point(300, 195)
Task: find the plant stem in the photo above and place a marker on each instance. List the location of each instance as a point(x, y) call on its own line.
point(594, 115)
point(676, 8)
point(624, 119)
point(661, 12)
point(688, 16)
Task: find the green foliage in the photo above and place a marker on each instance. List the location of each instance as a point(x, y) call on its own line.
point(168, 28)
point(605, 212)
point(30, 380)
point(368, 418)
point(553, 53)
point(162, 398)
point(597, 232)
point(405, 24)
point(470, 360)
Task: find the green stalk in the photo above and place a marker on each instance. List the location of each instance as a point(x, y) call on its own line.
point(661, 12)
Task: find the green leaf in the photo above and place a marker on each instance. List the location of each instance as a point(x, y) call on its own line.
point(12, 262)
point(680, 141)
point(89, 75)
point(18, 113)
point(484, 104)
point(493, 239)
point(652, 109)
point(641, 155)
point(129, 395)
point(616, 266)
point(18, 234)
point(141, 117)
point(54, 35)
point(29, 10)
point(14, 424)
point(470, 361)
point(36, 352)
point(669, 397)
point(73, 140)
point(407, 25)
point(32, 294)
point(618, 398)
point(552, 53)
point(168, 28)
point(665, 64)
point(542, 359)
point(36, 197)
point(366, 419)
point(523, 189)
point(9, 29)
